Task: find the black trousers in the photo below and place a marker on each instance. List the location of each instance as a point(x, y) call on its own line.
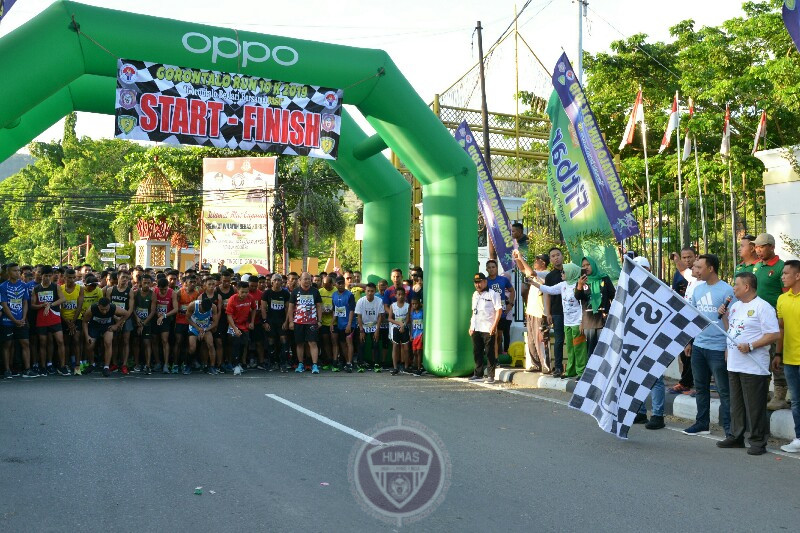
point(483, 345)
point(505, 328)
point(687, 378)
point(749, 407)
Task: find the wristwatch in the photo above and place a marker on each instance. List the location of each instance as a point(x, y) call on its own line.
point(750, 345)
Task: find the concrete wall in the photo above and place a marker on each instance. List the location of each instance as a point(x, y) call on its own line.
point(782, 193)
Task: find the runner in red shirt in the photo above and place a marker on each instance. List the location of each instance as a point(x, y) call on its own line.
point(241, 312)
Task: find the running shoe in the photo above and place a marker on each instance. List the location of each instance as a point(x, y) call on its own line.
point(113, 368)
point(157, 367)
point(7, 374)
point(51, 370)
point(82, 367)
point(284, 368)
point(42, 372)
point(237, 371)
point(137, 368)
point(187, 369)
point(300, 368)
point(147, 370)
point(64, 371)
point(334, 369)
point(106, 371)
point(314, 369)
point(220, 369)
point(260, 366)
point(30, 374)
point(89, 369)
point(395, 371)
point(377, 369)
point(326, 367)
point(175, 369)
point(214, 371)
point(696, 429)
point(360, 370)
point(251, 364)
point(196, 365)
point(78, 370)
point(125, 370)
point(228, 367)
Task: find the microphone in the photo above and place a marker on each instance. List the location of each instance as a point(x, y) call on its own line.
point(725, 307)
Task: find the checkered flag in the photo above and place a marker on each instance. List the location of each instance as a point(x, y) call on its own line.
point(647, 326)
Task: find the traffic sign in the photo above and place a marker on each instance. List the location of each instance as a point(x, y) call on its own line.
point(107, 251)
point(123, 257)
point(110, 259)
point(115, 245)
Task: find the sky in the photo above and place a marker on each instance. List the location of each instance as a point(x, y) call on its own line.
point(432, 41)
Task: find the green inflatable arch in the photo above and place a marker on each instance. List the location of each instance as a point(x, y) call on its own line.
point(65, 59)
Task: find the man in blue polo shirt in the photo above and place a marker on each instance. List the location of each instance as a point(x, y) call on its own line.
point(14, 302)
point(500, 285)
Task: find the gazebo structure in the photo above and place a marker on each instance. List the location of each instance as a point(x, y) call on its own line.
point(153, 246)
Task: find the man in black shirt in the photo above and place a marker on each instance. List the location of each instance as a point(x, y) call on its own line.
point(554, 310)
point(275, 301)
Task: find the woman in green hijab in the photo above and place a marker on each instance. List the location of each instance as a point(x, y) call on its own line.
point(595, 291)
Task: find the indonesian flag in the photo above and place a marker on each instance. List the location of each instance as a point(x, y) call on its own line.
point(672, 123)
point(637, 115)
point(687, 142)
point(761, 132)
point(725, 147)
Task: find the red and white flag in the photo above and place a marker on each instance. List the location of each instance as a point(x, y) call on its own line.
point(725, 147)
point(761, 132)
point(637, 115)
point(687, 142)
point(672, 123)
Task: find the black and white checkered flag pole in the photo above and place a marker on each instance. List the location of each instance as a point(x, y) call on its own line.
point(648, 325)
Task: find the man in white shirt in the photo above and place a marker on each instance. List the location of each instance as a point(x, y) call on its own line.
point(487, 309)
point(752, 327)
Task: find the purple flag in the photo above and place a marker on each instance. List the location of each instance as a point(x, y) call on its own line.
point(5, 7)
point(791, 19)
point(494, 213)
point(598, 159)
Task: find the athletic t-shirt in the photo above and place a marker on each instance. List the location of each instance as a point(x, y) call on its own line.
point(184, 299)
point(240, 310)
point(327, 305)
point(142, 303)
point(400, 314)
point(343, 304)
point(43, 295)
point(90, 298)
point(120, 298)
point(358, 292)
point(554, 278)
point(416, 324)
point(748, 322)
point(369, 312)
point(707, 299)
point(256, 296)
point(788, 309)
point(499, 285)
point(102, 321)
point(390, 294)
point(14, 294)
point(226, 295)
point(275, 302)
point(163, 301)
point(305, 310)
point(69, 309)
point(570, 305)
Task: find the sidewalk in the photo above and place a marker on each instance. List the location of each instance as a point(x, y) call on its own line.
point(683, 406)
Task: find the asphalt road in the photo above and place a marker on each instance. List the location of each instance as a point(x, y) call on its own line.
point(126, 454)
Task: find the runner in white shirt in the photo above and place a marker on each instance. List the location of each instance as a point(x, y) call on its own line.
point(369, 311)
point(399, 333)
point(752, 328)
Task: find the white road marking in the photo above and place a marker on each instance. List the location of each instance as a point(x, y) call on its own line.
point(325, 420)
point(775, 451)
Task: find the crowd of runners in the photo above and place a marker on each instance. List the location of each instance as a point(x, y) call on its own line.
point(75, 321)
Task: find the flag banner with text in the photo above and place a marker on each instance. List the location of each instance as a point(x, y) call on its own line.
point(492, 208)
point(577, 206)
point(595, 152)
point(791, 19)
point(648, 325)
point(176, 105)
point(5, 7)
point(237, 197)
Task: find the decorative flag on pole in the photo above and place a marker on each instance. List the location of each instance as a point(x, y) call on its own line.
point(494, 213)
point(687, 143)
point(637, 115)
point(761, 132)
point(791, 19)
point(5, 7)
point(672, 123)
point(647, 327)
point(725, 147)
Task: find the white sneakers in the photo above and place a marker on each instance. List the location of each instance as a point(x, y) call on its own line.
point(792, 447)
point(237, 370)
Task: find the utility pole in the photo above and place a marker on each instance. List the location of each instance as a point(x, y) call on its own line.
point(485, 120)
point(581, 13)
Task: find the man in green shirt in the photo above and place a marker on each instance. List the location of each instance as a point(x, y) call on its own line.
point(768, 272)
point(747, 253)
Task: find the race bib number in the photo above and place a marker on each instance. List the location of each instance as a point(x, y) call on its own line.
point(161, 309)
point(370, 327)
point(183, 308)
point(276, 305)
point(340, 312)
point(327, 308)
point(70, 305)
point(15, 304)
point(142, 313)
point(417, 323)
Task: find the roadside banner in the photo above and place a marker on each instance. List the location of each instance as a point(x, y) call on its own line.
point(492, 208)
point(177, 105)
point(595, 151)
point(237, 196)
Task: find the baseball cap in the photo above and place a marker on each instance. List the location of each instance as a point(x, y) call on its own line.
point(765, 238)
point(641, 261)
point(246, 277)
point(480, 276)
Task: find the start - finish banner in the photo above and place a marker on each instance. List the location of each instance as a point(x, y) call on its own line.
point(595, 152)
point(492, 208)
point(177, 105)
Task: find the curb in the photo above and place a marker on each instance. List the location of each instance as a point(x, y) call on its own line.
point(781, 423)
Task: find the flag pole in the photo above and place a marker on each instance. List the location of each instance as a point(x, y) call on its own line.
point(647, 180)
point(733, 211)
point(700, 194)
point(680, 178)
